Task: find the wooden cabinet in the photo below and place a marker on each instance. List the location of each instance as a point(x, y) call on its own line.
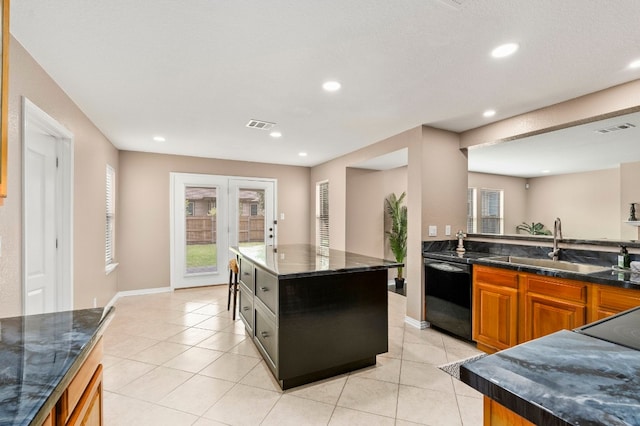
point(511, 307)
point(81, 401)
point(89, 409)
point(495, 308)
point(312, 326)
point(496, 414)
point(551, 304)
point(245, 306)
point(609, 301)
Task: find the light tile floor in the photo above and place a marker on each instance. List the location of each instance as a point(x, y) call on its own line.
point(179, 359)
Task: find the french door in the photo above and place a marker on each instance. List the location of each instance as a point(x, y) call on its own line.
point(210, 213)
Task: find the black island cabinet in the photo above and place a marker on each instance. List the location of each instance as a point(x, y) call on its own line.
point(312, 315)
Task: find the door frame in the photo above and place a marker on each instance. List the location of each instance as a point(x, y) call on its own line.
point(178, 178)
point(177, 276)
point(235, 183)
point(32, 115)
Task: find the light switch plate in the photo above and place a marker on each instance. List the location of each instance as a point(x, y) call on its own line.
point(281, 216)
point(447, 230)
point(433, 230)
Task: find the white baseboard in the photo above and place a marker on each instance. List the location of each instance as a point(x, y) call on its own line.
point(421, 325)
point(140, 292)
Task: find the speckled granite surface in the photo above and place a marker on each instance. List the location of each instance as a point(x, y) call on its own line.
point(298, 260)
point(39, 354)
point(565, 378)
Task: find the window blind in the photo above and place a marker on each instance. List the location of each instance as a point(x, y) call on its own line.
point(471, 210)
point(110, 215)
point(322, 215)
point(491, 211)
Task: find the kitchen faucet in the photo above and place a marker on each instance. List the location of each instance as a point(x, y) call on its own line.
point(557, 230)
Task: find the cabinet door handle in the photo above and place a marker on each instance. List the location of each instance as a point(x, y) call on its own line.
point(264, 334)
point(264, 288)
point(246, 308)
point(246, 273)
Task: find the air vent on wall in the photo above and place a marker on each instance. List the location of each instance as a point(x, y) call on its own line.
point(615, 128)
point(259, 124)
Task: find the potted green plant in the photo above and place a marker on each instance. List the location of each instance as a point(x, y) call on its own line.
point(398, 233)
point(533, 229)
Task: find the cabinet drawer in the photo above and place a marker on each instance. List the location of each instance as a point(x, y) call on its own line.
point(495, 276)
point(247, 272)
point(89, 409)
point(267, 336)
point(79, 383)
point(267, 289)
point(564, 289)
point(616, 299)
point(245, 305)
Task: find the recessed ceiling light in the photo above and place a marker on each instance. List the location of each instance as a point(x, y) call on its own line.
point(504, 50)
point(159, 138)
point(302, 154)
point(545, 171)
point(635, 64)
point(489, 113)
point(275, 134)
point(331, 86)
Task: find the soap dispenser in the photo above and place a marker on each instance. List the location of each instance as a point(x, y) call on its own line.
point(624, 260)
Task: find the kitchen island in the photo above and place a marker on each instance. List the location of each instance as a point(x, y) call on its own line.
point(313, 314)
point(565, 378)
point(50, 368)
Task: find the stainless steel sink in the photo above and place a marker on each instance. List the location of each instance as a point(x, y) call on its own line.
point(560, 265)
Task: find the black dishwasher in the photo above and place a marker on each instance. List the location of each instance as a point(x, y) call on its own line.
point(448, 294)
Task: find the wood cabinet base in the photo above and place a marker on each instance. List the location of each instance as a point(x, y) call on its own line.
point(496, 414)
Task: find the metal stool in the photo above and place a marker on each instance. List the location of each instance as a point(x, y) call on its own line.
point(233, 285)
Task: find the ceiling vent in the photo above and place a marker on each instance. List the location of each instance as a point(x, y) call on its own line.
point(259, 124)
point(615, 128)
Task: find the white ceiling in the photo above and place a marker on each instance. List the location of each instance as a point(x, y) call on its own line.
point(197, 71)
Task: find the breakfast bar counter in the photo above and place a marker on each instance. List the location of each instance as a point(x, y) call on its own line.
point(313, 314)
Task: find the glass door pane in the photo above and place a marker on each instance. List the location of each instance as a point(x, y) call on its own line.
point(251, 209)
point(199, 236)
point(201, 248)
point(251, 218)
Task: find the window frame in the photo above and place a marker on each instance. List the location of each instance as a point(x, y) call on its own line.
point(110, 220)
point(322, 217)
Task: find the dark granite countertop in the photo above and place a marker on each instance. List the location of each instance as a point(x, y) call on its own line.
point(39, 355)
point(565, 378)
point(610, 277)
point(298, 260)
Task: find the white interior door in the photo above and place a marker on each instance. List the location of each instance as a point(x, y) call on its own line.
point(251, 212)
point(199, 230)
point(40, 223)
point(47, 213)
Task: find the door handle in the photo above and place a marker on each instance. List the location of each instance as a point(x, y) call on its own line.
point(264, 288)
point(264, 334)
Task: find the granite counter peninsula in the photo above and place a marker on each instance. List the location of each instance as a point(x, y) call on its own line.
point(50, 368)
point(565, 378)
point(313, 315)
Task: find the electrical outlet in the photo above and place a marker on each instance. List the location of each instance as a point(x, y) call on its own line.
point(433, 230)
point(95, 302)
point(447, 230)
point(281, 216)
